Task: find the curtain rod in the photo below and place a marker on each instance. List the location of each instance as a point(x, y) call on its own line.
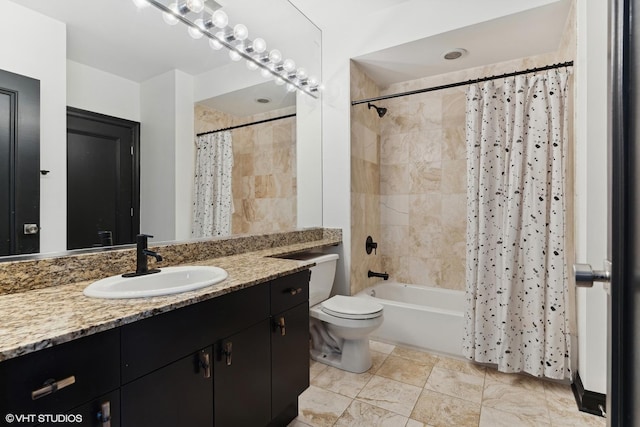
point(464, 83)
point(247, 124)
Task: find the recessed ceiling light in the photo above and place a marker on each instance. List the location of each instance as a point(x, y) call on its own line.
point(454, 54)
point(263, 100)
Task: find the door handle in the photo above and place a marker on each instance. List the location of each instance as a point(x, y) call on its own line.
point(228, 353)
point(585, 275)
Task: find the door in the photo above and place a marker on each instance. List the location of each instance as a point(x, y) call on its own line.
point(623, 386)
point(242, 385)
point(19, 164)
point(180, 394)
point(102, 180)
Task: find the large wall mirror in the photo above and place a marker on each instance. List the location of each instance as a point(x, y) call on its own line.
point(115, 60)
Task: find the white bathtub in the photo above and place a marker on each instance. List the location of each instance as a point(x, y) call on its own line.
point(419, 316)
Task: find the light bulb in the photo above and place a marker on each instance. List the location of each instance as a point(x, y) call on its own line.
point(265, 73)
point(301, 73)
point(240, 32)
point(259, 45)
point(141, 4)
point(170, 18)
point(215, 44)
point(252, 65)
point(195, 6)
point(289, 65)
point(291, 88)
point(196, 32)
point(313, 81)
point(219, 19)
point(235, 56)
point(280, 81)
point(275, 56)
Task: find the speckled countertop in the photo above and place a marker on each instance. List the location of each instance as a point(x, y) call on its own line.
point(40, 318)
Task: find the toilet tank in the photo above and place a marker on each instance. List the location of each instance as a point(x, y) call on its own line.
point(322, 274)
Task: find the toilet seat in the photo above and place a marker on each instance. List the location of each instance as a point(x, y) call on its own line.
point(351, 307)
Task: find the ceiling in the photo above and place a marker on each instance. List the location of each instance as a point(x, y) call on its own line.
point(532, 32)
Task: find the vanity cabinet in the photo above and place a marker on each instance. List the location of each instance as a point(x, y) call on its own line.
point(60, 378)
point(240, 359)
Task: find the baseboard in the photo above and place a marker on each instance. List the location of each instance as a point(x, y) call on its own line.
point(588, 401)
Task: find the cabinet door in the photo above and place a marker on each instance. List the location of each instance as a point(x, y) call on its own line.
point(242, 384)
point(101, 412)
point(289, 357)
point(180, 394)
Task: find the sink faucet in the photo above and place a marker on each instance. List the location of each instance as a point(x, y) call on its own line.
point(142, 252)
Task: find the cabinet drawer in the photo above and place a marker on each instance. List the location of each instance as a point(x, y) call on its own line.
point(289, 291)
point(93, 362)
point(152, 343)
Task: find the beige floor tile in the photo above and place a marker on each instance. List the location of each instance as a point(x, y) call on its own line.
point(442, 410)
point(360, 414)
point(563, 408)
point(420, 356)
point(516, 400)
point(297, 423)
point(381, 347)
point(414, 423)
point(316, 368)
point(343, 382)
point(456, 384)
point(377, 359)
point(461, 366)
point(519, 380)
point(390, 395)
point(405, 370)
point(320, 408)
point(490, 417)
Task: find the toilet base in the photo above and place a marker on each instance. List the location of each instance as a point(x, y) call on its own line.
point(355, 356)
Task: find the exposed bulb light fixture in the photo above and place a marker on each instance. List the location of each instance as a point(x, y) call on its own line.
point(236, 39)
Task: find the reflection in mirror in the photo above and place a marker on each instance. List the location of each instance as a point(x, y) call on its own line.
point(130, 65)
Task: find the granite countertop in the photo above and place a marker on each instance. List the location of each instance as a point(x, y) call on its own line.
point(40, 318)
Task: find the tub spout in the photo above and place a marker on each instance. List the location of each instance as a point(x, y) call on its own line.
point(385, 276)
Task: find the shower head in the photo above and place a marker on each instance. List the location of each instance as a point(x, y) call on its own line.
point(381, 111)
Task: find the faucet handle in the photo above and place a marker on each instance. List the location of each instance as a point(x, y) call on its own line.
point(141, 239)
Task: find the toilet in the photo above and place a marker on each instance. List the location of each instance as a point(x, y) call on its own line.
point(340, 325)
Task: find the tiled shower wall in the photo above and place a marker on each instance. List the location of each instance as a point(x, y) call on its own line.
point(422, 173)
point(365, 181)
point(264, 171)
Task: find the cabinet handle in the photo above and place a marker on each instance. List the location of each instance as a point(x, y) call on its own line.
point(205, 363)
point(228, 349)
point(104, 416)
point(294, 291)
point(51, 386)
point(281, 324)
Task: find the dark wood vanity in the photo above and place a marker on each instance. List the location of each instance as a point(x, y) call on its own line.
point(239, 359)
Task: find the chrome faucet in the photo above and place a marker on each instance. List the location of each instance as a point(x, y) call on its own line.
point(142, 252)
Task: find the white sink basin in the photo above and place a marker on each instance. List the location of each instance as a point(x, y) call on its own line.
point(170, 280)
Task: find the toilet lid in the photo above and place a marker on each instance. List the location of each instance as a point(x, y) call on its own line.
point(351, 307)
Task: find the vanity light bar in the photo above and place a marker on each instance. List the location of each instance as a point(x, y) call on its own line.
point(297, 79)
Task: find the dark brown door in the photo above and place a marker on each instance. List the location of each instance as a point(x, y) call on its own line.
point(623, 394)
point(19, 163)
point(102, 179)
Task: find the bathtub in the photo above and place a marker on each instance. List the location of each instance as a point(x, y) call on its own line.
point(420, 316)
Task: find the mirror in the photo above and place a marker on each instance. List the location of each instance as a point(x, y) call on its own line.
point(108, 57)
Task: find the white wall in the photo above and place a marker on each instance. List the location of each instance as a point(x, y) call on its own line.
point(95, 90)
point(157, 166)
point(166, 156)
point(405, 22)
point(308, 160)
point(38, 50)
point(185, 154)
point(591, 188)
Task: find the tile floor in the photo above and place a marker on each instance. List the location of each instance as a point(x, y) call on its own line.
point(410, 388)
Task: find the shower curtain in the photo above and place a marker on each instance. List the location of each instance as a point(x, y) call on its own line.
point(517, 313)
point(213, 203)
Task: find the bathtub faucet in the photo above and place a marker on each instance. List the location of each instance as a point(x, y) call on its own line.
point(385, 276)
